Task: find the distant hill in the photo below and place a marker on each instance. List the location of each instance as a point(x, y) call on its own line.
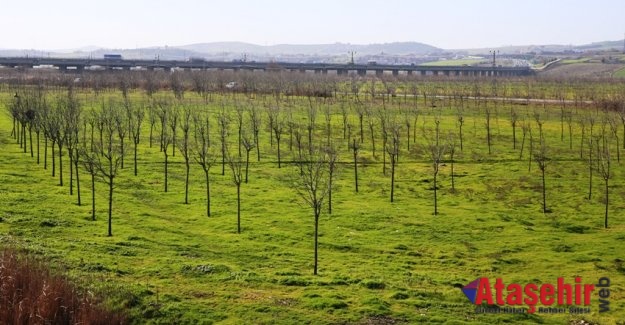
point(397, 48)
point(515, 49)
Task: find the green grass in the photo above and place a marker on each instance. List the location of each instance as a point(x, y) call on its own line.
point(573, 61)
point(169, 263)
point(619, 73)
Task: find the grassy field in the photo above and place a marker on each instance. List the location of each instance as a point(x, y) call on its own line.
point(619, 73)
point(380, 262)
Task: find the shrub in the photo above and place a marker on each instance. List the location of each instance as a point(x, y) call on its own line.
point(30, 294)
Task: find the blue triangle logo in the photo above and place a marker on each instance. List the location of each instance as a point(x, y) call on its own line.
point(470, 290)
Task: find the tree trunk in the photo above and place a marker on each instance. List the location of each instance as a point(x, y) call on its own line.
point(435, 197)
point(356, 169)
point(151, 131)
point(122, 148)
point(238, 208)
point(316, 238)
point(460, 137)
point(136, 144)
point(330, 193)
point(257, 145)
point(392, 178)
point(208, 194)
point(453, 185)
point(30, 136)
point(186, 183)
point(362, 132)
point(45, 152)
point(247, 164)
point(165, 170)
point(514, 136)
point(278, 141)
point(110, 206)
point(60, 164)
point(37, 133)
point(590, 175)
point(93, 196)
point(71, 172)
point(605, 221)
point(544, 191)
point(77, 179)
point(53, 160)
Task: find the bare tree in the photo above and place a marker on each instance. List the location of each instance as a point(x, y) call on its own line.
point(436, 153)
point(332, 157)
point(312, 186)
point(256, 123)
point(173, 117)
point(488, 112)
point(202, 152)
point(355, 149)
point(152, 118)
point(135, 118)
point(108, 154)
point(603, 166)
point(392, 149)
point(540, 156)
point(235, 162)
point(451, 141)
point(223, 120)
point(514, 118)
point(185, 126)
point(71, 121)
point(277, 126)
point(248, 144)
point(88, 160)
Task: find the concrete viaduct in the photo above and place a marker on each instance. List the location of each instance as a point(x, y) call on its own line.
point(79, 65)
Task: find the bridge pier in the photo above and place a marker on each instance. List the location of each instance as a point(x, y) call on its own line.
point(379, 72)
point(395, 72)
point(361, 72)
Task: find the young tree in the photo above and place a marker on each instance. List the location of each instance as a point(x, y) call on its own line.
point(540, 156)
point(88, 160)
point(278, 126)
point(202, 152)
point(108, 153)
point(452, 150)
point(235, 162)
point(460, 123)
point(71, 121)
point(248, 144)
point(392, 149)
point(312, 116)
point(436, 153)
point(488, 111)
point(185, 125)
point(223, 120)
point(332, 157)
point(152, 118)
point(173, 118)
point(514, 118)
point(603, 166)
point(166, 140)
point(256, 123)
point(355, 149)
point(312, 185)
point(135, 118)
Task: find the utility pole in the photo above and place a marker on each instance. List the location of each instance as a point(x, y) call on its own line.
point(494, 57)
point(352, 54)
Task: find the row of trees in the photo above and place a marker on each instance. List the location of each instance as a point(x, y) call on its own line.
point(98, 139)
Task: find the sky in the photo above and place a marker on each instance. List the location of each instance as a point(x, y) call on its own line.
point(448, 24)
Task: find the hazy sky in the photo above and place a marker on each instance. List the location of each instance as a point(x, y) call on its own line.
point(61, 24)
